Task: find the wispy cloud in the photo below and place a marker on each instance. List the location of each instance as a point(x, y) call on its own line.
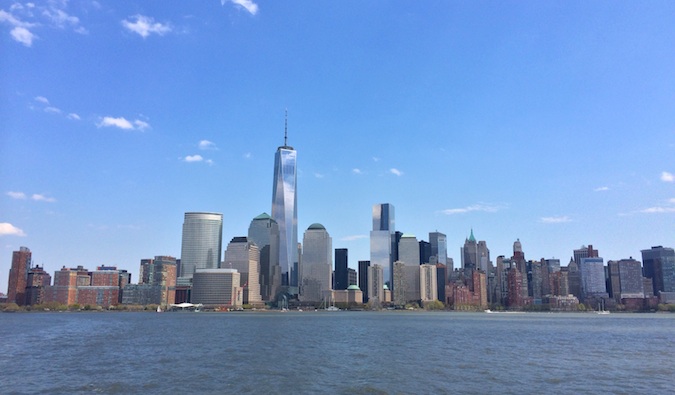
point(74, 116)
point(357, 171)
point(667, 177)
point(354, 237)
point(145, 26)
point(248, 5)
point(41, 99)
point(207, 145)
point(60, 19)
point(659, 210)
point(480, 207)
point(395, 172)
point(555, 220)
point(318, 175)
point(248, 155)
point(7, 229)
point(42, 198)
point(601, 189)
point(24, 18)
point(16, 195)
point(123, 123)
point(53, 110)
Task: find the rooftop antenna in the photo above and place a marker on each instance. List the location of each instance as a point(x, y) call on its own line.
point(286, 129)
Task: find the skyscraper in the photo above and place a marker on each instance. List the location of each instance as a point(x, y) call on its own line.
point(592, 278)
point(659, 265)
point(439, 248)
point(382, 239)
point(285, 211)
point(18, 276)
point(363, 279)
point(341, 268)
point(244, 256)
point(317, 263)
point(264, 232)
point(202, 242)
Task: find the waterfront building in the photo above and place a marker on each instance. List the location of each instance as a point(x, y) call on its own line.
point(38, 279)
point(376, 283)
point(428, 283)
point(363, 278)
point(264, 232)
point(593, 283)
point(341, 269)
point(630, 279)
point(217, 287)
point(352, 276)
point(408, 250)
point(285, 212)
point(18, 276)
point(439, 249)
point(659, 266)
point(244, 256)
point(475, 255)
point(425, 252)
point(158, 273)
point(66, 281)
point(350, 296)
point(518, 259)
point(317, 263)
point(574, 278)
point(382, 239)
point(441, 280)
point(202, 242)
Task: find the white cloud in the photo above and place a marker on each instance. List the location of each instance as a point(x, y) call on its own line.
point(145, 26)
point(396, 172)
point(357, 171)
point(376, 159)
point(23, 35)
point(667, 177)
point(74, 116)
point(53, 110)
point(7, 229)
point(248, 5)
point(354, 237)
point(42, 99)
point(601, 189)
point(318, 175)
point(193, 158)
point(42, 198)
point(123, 123)
point(248, 155)
point(207, 145)
point(488, 208)
point(16, 195)
point(555, 220)
point(658, 210)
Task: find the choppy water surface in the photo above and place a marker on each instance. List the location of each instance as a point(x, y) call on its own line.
point(340, 352)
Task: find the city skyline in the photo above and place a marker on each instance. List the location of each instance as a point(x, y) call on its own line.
point(519, 121)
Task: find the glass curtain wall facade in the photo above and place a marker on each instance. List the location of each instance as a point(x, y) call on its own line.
point(382, 239)
point(264, 232)
point(202, 242)
point(317, 263)
point(285, 211)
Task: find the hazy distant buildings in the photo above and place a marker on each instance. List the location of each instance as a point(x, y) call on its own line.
point(202, 242)
point(475, 255)
point(37, 281)
point(625, 279)
point(18, 276)
point(382, 239)
point(285, 213)
point(157, 283)
point(264, 232)
point(317, 263)
point(244, 256)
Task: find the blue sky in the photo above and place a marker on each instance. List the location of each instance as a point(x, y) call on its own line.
point(552, 122)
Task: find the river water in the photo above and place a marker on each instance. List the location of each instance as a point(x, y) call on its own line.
point(336, 353)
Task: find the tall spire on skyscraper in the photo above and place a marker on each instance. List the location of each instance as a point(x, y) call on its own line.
point(286, 129)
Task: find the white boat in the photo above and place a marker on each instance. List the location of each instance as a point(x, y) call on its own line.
point(159, 309)
point(601, 308)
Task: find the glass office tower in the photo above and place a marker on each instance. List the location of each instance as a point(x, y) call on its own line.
point(382, 239)
point(285, 211)
point(202, 242)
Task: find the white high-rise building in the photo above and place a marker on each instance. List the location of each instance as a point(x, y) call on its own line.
point(285, 212)
point(244, 256)
point(202, 242)
point(428, 284)
point(317, 263)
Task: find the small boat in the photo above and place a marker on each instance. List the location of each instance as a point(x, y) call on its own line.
point(601, 308)
point(159, 309)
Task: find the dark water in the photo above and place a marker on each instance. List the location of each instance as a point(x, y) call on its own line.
point(340, 352)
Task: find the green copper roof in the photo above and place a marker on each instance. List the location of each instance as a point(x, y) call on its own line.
point(385, 287)
point(316, 226)
point(408, 235)
point(471, 238)
point(353, 287)
point(263, 216)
